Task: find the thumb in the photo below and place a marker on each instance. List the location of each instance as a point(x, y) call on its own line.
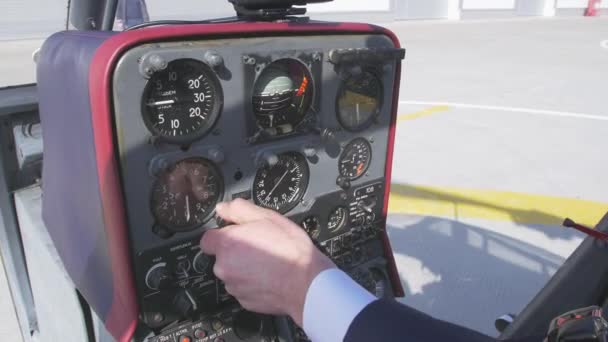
point(241, 211)
point(211, 240)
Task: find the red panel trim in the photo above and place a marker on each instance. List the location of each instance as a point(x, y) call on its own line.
point(392, 266)
point(122, 318)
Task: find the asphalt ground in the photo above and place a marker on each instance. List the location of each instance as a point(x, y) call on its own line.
point(501, 135)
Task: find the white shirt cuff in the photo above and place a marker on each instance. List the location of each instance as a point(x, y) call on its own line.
point(332, 302)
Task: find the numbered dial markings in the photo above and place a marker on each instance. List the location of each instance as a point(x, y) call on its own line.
point(182, 102)
point(359, 101)
point(185, 195)
point(355, 159)
point(337, 219)
point(282, 185)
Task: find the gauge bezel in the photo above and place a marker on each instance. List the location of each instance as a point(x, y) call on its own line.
point(344, 221)
point(304, 185)
point(214, 114)
point(314, 234)
point(369, 122)
point(209, 216)
point(342, 155)
point(307, 69)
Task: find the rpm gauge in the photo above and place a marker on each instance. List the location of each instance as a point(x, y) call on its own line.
point(182, 102)
point(337, 219)
point(359, 101)
point(185, 195)
point(281, 186)
point(282, 95)
point(355, 159)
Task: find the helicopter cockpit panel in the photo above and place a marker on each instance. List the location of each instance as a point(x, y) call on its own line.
point(298, 118)
point(200, 122)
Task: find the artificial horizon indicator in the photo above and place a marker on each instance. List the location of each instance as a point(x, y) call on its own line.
point(282, 95)
point(182, 102)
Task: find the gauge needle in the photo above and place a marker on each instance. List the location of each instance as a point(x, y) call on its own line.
point(276, 185)
point(160, 103)
point(187, 208)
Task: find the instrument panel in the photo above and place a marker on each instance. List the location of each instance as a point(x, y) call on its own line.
point(201, 122)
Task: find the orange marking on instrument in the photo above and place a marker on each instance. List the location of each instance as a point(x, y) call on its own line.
point(360, 168)
point(303, 86)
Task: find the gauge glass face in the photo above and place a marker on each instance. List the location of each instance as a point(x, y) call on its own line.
point(282, 95)
point(359, 101)
point(337, 219)
point(281, 186)
point(182, 102)
point(355, 159)
point(185, 195)
point(311, 226)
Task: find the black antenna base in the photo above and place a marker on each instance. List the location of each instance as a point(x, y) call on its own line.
point(270, 10)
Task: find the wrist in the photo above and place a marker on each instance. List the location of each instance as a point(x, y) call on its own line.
point(312, 265)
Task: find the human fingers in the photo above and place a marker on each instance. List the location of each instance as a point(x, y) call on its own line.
point(241, 211)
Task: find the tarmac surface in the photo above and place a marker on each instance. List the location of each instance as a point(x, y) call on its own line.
point(501, 135)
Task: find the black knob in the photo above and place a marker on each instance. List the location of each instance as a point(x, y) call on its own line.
point(343, 182)
point(159, 278)
point(247, 325)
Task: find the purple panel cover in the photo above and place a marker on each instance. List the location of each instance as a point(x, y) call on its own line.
point(71, 206)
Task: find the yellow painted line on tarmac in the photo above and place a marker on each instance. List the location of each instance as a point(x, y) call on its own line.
point(493, 205)
point(422, 113)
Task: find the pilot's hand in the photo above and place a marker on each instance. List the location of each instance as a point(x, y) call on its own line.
point(266, 261)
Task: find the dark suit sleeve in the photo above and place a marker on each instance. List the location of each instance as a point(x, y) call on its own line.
point(387, 320)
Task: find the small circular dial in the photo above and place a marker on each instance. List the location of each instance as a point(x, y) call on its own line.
point(282, 185)
point(282, 95)
point(359, 101)
point(182, 102)
point(185, 195)
point(355, 159)
point(311, 226)
point(337, 219)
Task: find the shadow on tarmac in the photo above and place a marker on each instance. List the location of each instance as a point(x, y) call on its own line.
point(466, 274)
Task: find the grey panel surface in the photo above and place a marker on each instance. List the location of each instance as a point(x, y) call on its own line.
point(136, 153)
point(60, 315)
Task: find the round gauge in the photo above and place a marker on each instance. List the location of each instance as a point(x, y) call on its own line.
point(355, 159)
point(281, 186)
point(182, 102)
point(311, 226)
point(359, 101)
point(337, 219)
point(185, 195)
point(282, 95)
